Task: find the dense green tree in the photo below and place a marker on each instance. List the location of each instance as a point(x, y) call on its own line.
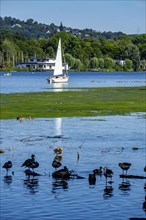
point(29, 21)
point(108, 62)
point(142, 50)
point(101, 63)
point(69, 59)
point(93, 63)
point(73, 46)
point(50, 52)
point(143, 65)
point(128, 65)
point(132, 52)
point(20, 40)
point(77, 64)
point(8, 51)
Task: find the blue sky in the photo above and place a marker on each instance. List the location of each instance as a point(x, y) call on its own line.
point(128, 16)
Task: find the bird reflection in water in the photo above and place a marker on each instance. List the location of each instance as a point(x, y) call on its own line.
point(145, 175)
point(144, 204)
point(108, 192)
point(58, 158)
point(32, 183)
point(8, 179)
point(7, 165)
point(124, 185)
point(58, 185)
point(60, 179)
point(108, 173)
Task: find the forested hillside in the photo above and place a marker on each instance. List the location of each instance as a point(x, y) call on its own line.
point(33, 29)
point(83, 49)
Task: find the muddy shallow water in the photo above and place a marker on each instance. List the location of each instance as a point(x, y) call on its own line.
point(100, 141)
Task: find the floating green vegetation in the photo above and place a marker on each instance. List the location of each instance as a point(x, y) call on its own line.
point(86, 102)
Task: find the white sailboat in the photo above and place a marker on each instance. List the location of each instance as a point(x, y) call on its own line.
point(58, 75)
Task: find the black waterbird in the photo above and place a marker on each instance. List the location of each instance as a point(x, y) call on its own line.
point(62, 174)
point(108, 173)
point(125, 166)
point(34, 165)
point(28, 162)
point(7, 166)
point(98, 171)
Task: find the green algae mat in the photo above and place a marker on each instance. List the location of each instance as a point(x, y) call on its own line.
point(80, 102)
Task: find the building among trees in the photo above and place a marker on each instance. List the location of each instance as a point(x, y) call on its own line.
point(40, 64)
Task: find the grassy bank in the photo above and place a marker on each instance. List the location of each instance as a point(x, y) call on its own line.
point(86, 102)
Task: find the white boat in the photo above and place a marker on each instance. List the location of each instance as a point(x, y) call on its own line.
point(58, 75)
point(7, 74)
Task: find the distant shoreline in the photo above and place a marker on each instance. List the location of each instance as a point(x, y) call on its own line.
point(29, 71)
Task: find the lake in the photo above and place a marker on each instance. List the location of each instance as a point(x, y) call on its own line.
point(36, 81)
point(100, 141)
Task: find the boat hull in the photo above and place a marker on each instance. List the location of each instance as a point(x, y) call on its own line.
point(58, 79)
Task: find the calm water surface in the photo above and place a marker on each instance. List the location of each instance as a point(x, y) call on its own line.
point(100, 141)
point(36, 81)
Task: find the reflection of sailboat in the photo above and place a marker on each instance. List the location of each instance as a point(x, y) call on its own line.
point(58, 75)
point(58, 123)
point(58, 87)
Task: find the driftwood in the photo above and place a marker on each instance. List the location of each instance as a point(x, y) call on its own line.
point(132, 176)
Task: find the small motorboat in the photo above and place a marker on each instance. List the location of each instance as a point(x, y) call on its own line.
point(7, 74)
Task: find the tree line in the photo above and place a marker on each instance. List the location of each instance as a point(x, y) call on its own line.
point(33, 29)
point(124, 53)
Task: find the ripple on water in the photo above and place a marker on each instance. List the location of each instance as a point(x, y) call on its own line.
point(100, 141)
